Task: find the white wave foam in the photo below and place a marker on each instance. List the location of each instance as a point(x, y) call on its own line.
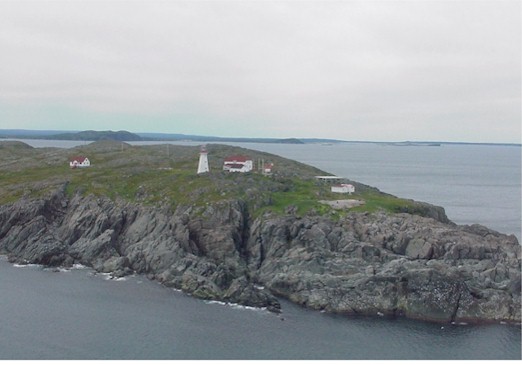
point(103, 275)
point(26, 265)
point(239, 306)
point(236, 306)
point(57, 269)
point(215, 302)
point(459, 323)
point(110, 276)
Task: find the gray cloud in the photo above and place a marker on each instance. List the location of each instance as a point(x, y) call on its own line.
point(370, 70)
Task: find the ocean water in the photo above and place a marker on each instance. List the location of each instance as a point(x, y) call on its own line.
point(78, 315)
point(75, 314)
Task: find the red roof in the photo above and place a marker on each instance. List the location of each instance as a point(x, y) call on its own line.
point(80, 159)
point(234, 165)
point(237, 158)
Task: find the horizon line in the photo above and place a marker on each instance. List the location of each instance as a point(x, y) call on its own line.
point(46, 132)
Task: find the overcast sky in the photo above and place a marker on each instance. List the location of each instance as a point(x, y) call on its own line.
point(353, 70)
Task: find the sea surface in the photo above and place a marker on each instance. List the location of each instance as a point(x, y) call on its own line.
point(77, 314)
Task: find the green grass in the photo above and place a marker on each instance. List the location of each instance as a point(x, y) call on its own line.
point(375, 201)
point(155, 175)
point(304, 196)
point(301, 194)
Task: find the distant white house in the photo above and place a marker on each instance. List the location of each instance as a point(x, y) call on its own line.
point(343, 188)
point(238, 163)
point(79, 161)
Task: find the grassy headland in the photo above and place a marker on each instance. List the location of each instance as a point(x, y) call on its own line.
point(165, 175)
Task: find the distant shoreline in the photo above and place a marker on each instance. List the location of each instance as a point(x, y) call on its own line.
point(125, 136)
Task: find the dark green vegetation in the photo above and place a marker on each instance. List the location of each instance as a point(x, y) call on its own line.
point(97, 136)
point(165, 175)
point(128, 136)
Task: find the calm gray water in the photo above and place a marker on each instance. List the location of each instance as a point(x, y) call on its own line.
point(78, 315)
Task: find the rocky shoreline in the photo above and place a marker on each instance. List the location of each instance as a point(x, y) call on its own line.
point(425, 268)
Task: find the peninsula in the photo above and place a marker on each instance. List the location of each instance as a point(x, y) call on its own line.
point(251, 238)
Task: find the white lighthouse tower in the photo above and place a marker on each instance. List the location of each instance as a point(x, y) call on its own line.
point(203, 161)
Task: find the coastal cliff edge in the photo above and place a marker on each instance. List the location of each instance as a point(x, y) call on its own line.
point(362, 263)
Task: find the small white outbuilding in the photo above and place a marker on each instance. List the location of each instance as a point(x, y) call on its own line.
point(343, 188)
point(79, 161)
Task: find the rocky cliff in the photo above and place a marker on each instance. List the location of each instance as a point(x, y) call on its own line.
point(363, 263)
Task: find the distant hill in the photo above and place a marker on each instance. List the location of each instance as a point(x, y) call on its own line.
point(92, 135)
point(212, 139)
point(29, 133)
point(89, 135)
point(97, 136)
point(128, 136)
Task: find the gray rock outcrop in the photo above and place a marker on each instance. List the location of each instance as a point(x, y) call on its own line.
point(371, 264)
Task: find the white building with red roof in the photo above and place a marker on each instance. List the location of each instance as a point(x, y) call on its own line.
point(79, 161)
point(238, 163)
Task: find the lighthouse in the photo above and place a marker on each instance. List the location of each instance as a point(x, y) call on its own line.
point(203, 161)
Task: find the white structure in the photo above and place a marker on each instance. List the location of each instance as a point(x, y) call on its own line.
point(267, 168)
point(203, 161)
point(79, 161)
point(238, 164)
point(343, 188)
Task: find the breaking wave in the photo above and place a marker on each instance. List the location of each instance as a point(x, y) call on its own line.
point(236, 306)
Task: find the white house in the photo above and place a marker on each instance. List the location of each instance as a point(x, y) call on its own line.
point(238, 164)
point(343, 188)
point(79, 161)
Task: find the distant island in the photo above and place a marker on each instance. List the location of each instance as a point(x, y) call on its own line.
point(126, 136)
point(415, 144)
point(97, 136)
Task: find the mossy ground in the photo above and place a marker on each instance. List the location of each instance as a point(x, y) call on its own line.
point(166, 175)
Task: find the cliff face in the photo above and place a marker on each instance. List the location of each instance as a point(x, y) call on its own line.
point(375, 264)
